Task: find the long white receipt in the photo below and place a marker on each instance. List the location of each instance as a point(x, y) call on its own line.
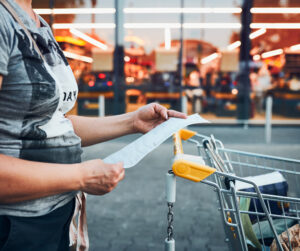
point(131, 154)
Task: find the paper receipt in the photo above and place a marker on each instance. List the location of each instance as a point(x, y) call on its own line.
point(131, 154)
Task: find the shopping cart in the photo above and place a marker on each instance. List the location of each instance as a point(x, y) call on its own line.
point(255, 217)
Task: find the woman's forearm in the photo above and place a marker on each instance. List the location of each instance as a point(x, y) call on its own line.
point(22, 180)
point(93, 130)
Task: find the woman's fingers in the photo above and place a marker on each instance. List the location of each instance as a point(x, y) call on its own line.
point(122, 174)
point(161, 110)
point(100, 178)
point(165, 113)
point(176, 114)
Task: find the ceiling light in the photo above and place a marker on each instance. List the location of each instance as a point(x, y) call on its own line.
point(257, 33)
point(176, 25)
point(275, 25)
point(66, 11)
point(275, 10)
point(272, 53)
point(84, 26)
point(212, 25)
point(59, 11)
point(88, 39)
point(295, 47)
point(151, 25)
point(209, 58)
point(167, 39)
point(180, 10)
point(78, 57)
point(234, 45)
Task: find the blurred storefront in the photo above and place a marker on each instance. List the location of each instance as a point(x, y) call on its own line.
point(150, 43)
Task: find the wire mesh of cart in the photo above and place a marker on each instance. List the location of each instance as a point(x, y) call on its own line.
point(259, 195)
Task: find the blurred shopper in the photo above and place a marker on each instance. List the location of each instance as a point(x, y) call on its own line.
point(194, 79)
point(260, 87)
point(294, 83)
point(195, 92)
point(224, 84)
point(253, 78)
point(209, 101)
point(279, 84)
point(40, 147)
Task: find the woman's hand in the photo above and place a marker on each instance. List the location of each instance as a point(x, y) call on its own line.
point(99, 178)
point(151, 115)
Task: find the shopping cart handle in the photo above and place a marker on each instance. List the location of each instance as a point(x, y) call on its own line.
point(188, 166)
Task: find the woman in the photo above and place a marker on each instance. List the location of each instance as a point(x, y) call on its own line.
point(40, 166)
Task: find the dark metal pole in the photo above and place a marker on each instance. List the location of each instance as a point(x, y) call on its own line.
point(180, 65)
point(244, 87)
point(119, 86)
point(202, 20)
point(51, 5)
point(94, 3)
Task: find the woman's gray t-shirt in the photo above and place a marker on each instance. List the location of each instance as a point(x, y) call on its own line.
point(32, 105)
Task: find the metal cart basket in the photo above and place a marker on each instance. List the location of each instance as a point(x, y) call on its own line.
point(255, 216)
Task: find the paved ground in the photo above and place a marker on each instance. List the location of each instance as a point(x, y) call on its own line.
point(133, 216)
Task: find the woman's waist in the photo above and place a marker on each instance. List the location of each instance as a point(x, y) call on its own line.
point(62, 154)
point(58, 150)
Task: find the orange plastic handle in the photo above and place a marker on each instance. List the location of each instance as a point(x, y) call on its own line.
point(188, 166)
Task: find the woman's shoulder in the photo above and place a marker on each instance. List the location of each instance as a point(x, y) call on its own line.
point(6, 21)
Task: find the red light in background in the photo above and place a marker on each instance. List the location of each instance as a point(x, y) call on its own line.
point(109, 83)
point(101, 75)
point(91, 83)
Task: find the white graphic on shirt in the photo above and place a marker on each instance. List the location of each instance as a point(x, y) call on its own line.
point(68, 89)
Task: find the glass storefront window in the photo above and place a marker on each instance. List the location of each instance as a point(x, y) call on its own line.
point(150, 51)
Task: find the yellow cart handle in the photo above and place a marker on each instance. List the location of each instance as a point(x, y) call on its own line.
point(188, 166)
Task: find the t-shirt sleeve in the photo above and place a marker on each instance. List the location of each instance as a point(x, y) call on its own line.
point(4, 48)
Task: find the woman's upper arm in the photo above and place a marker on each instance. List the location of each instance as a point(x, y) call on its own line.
point(1, 78)
point(6, 43)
